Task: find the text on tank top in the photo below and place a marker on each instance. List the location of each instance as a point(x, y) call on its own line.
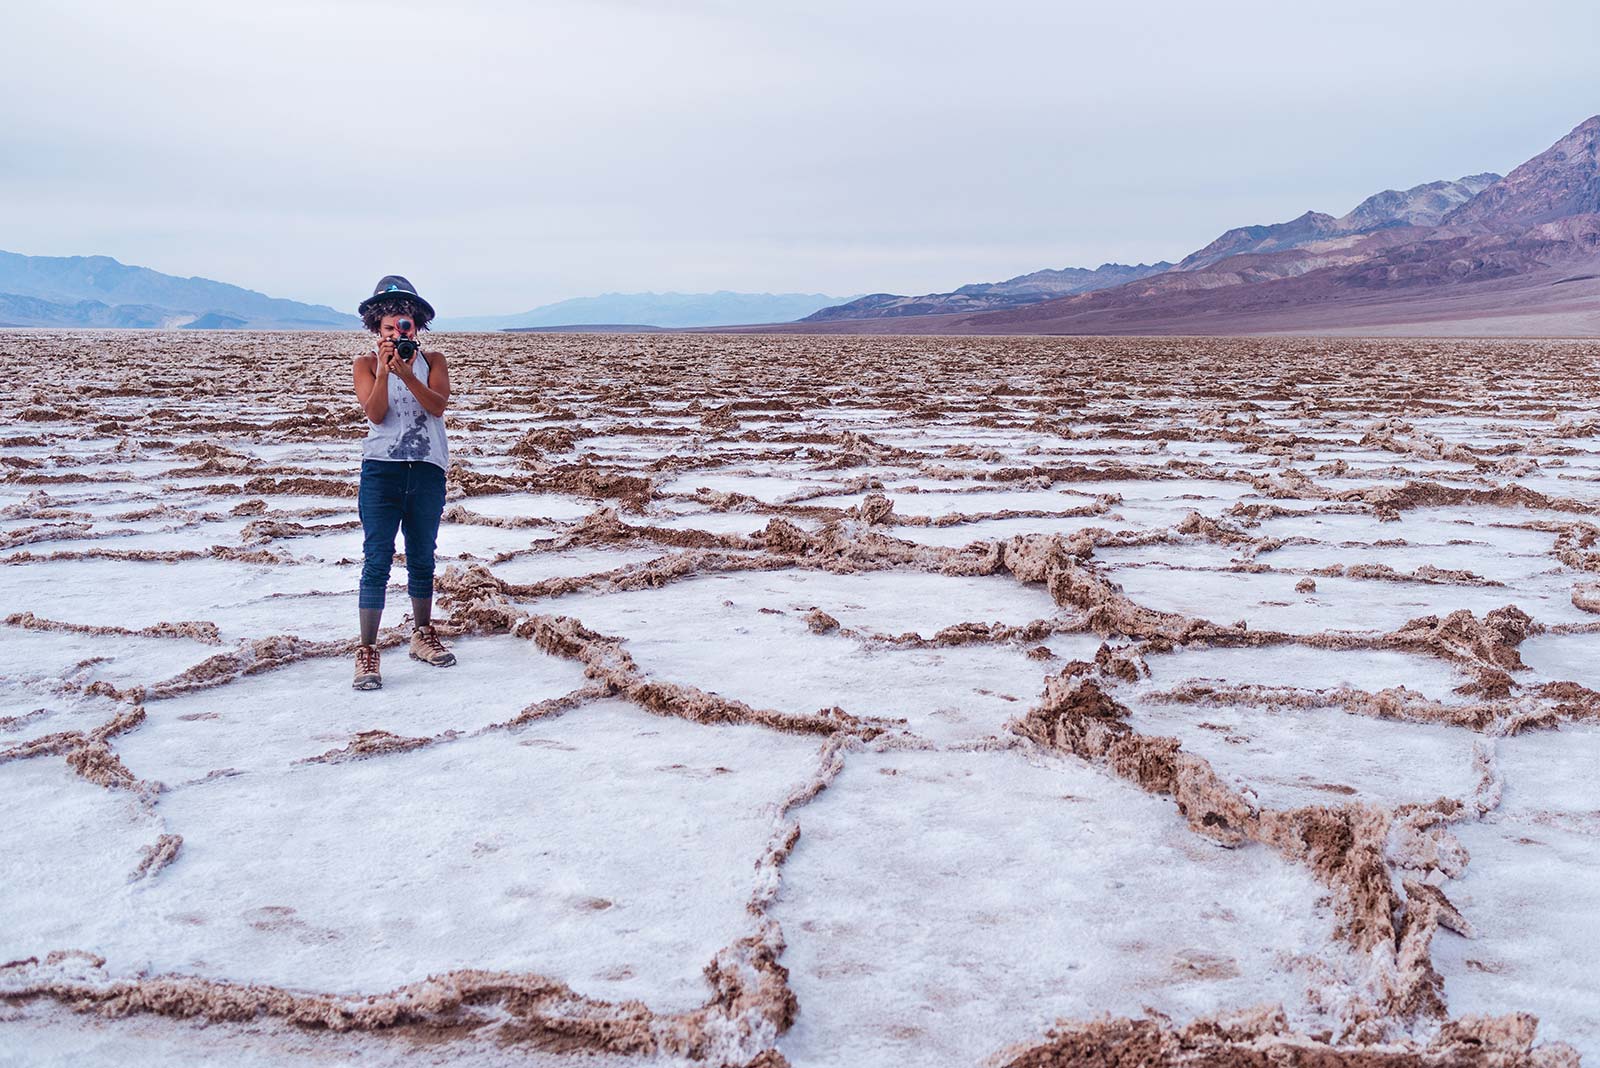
point(408, 431)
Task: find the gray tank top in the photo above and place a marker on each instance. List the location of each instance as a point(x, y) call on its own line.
point(407, 432)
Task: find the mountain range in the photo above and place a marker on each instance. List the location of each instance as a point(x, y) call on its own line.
point(1482, 254)
point(987, 296)
point(98, 291)
point(721, 308)
point(77, 291)
point(1518, 254)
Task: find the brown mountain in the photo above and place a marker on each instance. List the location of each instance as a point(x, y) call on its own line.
point(1520, 256)
point(1422, 205)
point(988, 296)
point(1563, 180)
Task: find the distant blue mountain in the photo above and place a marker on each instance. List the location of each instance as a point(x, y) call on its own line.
point(77, 291)
point(721, 308)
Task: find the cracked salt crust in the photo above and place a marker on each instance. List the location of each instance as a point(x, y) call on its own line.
point(1270, 601)
point(1311, 756)
point(384, 871)
point(411, 798)
point(940, 907)
point(272, 720)
point(123, 660)
point(882, 602)
point(1307, 668)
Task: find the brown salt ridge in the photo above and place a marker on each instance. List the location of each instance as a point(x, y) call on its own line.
point(261, 531)
point(878, 510)
point(1262, 1038)
point(90, 756)
point(1427, 573)
point(517, 1007)
point(156, 856)
point(260, 655)
point(165, 556)
point(1586, 595)
point(606, 662)
point(47, 532)
point(366, 744)
point(1394, 702)
point(199, 631)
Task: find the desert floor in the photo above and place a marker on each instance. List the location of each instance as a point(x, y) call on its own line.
point(821, 701)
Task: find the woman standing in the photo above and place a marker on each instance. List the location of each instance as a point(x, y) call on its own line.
point(403, 391)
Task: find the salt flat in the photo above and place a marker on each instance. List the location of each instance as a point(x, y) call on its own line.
point(820, 702)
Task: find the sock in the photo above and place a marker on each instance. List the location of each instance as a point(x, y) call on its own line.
point(370, 618)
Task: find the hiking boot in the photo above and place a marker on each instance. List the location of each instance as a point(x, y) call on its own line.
point(426, 647)
point(367, 677)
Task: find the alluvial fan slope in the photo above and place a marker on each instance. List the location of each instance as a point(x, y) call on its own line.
point(821, 701)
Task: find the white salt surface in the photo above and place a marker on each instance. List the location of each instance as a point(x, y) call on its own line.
point(1307, 668)
point(941, 906)
point(1482, 529)
point(140, 593)
point(1569, 657)
point(770, 659)
point(770, 488)
point(69, 869)
point(1309, 756)
point(881, 602)
point(1531, 893)
point(122, 660)
point(34, 708)
point(958, 534)
point(550, 506)
point(357, 878)
point(1268, 601)
point(276, 718)
point(1487, 561)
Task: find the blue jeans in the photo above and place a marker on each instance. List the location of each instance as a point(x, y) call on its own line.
point(395, 496)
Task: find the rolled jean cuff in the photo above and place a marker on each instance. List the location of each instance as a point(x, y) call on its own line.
point(368, 597)
point(418, 585)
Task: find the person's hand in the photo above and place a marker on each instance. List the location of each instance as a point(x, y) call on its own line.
point(401, 368)
point(389, 360)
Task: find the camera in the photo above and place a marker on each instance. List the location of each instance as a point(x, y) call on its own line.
point(405, 346)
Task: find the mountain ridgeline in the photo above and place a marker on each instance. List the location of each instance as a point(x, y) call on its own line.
point(1513, 254)
point(1422, 205)
point(989, 296)
point(98, 291)
point(655, 310)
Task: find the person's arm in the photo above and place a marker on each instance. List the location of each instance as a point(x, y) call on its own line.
point(433, 394)
point(372, 386)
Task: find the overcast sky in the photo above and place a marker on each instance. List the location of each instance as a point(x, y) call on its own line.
point(504, 155)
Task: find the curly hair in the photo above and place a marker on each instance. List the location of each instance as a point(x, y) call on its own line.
point(372, 318)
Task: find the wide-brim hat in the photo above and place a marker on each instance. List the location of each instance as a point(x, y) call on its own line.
point(393, 285)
